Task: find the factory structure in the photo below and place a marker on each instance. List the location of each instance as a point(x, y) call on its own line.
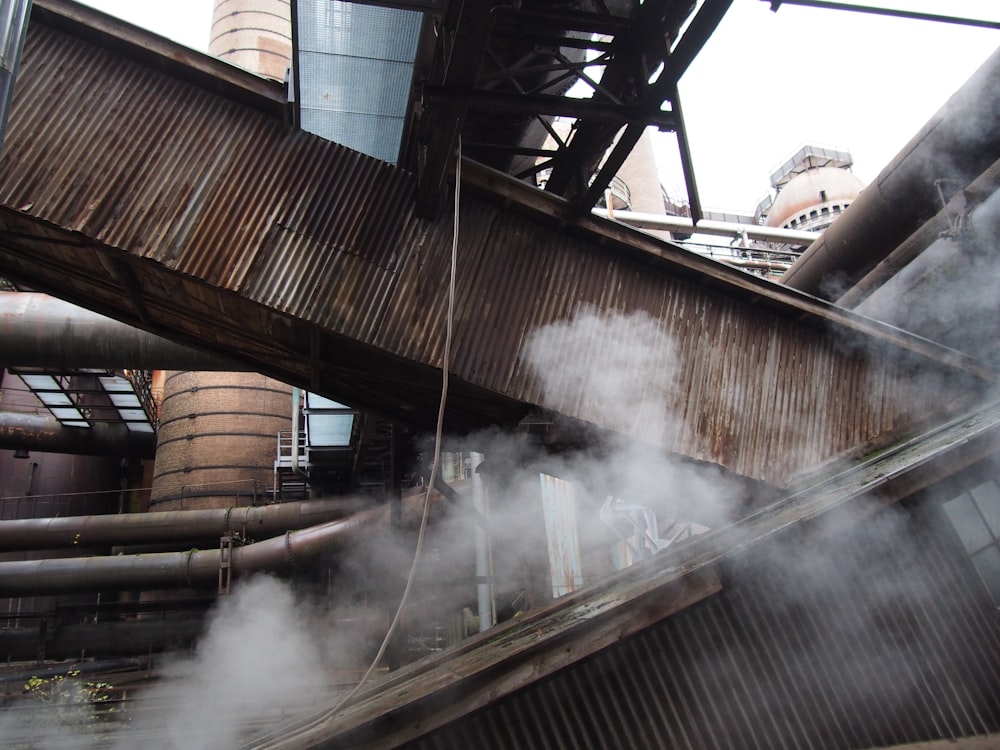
point(362, 311)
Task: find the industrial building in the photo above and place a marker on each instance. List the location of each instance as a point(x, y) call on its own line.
point(498, 470)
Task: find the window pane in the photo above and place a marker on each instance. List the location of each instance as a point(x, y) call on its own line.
point(987, 496)
point(967, 523)
point(987, 563)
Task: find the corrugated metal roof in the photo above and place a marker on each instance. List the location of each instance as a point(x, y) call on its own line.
point(883, 646)
point(821, 627)
point(149, 197)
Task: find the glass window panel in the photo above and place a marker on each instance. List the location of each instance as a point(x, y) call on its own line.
point(40, 382)
point(66, 414)
point(314, 401)
point(55, 399)
point(967, 522)
point(116, 384)
point(125, 399)
point(987, 496)
point(330, 429)
point(987, 563)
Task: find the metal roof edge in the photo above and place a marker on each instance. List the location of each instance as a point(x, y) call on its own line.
point(785, 300)
point(162, 54)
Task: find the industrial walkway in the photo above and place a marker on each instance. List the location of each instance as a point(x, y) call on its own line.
point(166, 189)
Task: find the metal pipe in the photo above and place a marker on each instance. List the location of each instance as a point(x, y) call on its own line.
point(706, 226)
point(104, 638)
point(958, 144)
point(928, 233)
point(44, 433)
point(892, 12)
point(296, 409)
point(484, 554)
point(37, 330)
point(260, 522)
point(191, 569)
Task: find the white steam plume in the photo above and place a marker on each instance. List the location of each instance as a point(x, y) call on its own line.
point(258, 659)
point(612, 369)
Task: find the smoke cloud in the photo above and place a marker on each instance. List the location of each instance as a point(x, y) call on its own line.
point(259, 660)
point(950, 292)
point(607, 368)
point(611, 369)
point(264, 658)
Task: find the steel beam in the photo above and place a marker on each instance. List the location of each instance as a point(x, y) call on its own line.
point(443, 122)
point(893, 12)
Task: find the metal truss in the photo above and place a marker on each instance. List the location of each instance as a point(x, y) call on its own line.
point(503, 73)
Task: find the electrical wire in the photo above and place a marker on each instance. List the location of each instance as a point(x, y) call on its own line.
point(435, 464)
point(291, 732)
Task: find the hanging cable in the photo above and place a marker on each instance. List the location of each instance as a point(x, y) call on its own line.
point(438, 434)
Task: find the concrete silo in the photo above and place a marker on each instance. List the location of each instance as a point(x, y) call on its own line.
point(255, 35)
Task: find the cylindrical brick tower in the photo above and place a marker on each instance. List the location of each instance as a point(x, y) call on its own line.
point(255, 35)
point(218, 431)
point(217, 439)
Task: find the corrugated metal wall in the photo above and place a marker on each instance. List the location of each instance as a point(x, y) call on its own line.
point(878, 637)
point(216, 222)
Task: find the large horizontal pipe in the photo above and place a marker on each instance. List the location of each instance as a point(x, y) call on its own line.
point(958, 144)
point(708, 226)
point(37, 330)
point(153, 633)
point(191, 569)
point(260, 522)
point(928, 233)
point(44, 433)
point(101, 638)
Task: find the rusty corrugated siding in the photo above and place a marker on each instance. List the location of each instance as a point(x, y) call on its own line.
point(882, 645)
point(216, 222)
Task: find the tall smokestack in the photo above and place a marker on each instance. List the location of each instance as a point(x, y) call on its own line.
point(255, 35)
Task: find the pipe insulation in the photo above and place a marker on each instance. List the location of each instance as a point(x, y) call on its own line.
point(190, 569)
point(957, 145)
point(254, 522)
point(37, 330)
point(44, 433)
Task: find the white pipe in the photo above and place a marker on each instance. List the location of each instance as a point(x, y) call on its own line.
point(296, 411)
point(706, 226)
point(484, 556)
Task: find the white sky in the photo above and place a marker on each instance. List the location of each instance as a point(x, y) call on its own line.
point(767, 82)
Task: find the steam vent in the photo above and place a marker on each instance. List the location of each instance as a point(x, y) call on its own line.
point(362, 387)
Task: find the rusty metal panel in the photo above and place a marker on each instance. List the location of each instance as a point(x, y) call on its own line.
point(561, 533)
point(877, 650)
point(156, 200)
